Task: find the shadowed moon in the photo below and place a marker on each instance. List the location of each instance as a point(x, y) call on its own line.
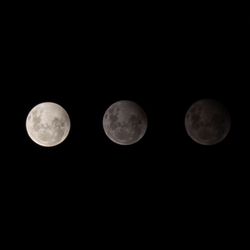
point(125, 122)
point(48, 124)
point(207, 122)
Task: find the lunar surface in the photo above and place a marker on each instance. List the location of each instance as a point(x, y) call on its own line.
point(207, 122)
point(125, 122)
point(48, 124)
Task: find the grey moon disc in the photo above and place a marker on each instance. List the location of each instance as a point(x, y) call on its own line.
point(48, 124)
point(125, 122)
point(207, 122)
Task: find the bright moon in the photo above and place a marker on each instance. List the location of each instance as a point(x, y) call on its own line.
point(48, 124)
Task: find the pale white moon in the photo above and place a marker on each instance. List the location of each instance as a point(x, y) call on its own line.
point(48, 124)
point(125, 122)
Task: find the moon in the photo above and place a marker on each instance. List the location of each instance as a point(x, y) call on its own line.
point(125, 122)
point(207, 122)
point(48, 124)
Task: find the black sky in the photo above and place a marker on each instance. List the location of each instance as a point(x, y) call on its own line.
point(162, 57)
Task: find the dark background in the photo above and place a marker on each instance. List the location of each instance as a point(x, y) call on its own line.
point(165, 189)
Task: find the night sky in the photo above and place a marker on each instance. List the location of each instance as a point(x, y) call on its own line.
point(162, 190)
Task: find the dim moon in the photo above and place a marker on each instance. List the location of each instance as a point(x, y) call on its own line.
point(207, 122)
point(125, 122)
point(48, 124)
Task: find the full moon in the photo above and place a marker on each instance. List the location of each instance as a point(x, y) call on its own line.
point(48, 124)
point(207, 122)
point(125, 122)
